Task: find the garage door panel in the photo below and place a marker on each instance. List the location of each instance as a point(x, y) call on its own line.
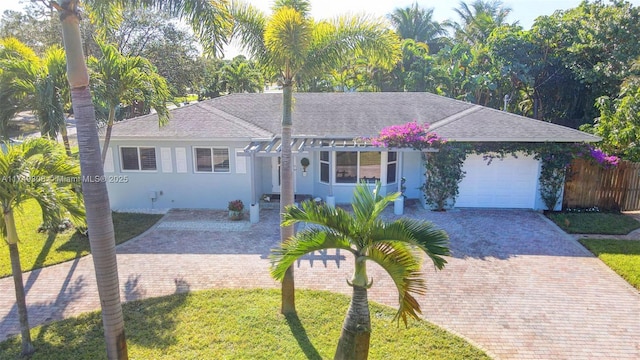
point(507, 183)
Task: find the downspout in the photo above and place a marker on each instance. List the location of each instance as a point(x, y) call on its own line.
point(254, 208)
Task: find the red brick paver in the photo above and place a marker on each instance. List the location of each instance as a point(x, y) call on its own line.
point(516, 285)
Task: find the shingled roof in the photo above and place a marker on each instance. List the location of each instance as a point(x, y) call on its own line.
point(345, 115)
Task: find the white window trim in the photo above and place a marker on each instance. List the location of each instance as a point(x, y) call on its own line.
point(328, 162)
point(122, 169)
point(213, 170)
point(386, 168)
point(383, 168)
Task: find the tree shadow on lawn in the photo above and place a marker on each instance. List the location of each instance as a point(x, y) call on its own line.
point(148, 324)
point(300, 334)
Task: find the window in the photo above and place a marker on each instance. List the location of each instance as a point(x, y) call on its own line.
point(392, 166)
point(138, 158)
point(352, 167)
point(211, 159)
point(346, 167)
point(369, 167)
point(324, 166)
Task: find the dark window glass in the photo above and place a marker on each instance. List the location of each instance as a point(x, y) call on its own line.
point(324, 156)
point(130, 158)
point(148, 158)
point(391, 173)
point(203, 160)
point(324, 172)
point(221, 160)
point(346, 167)
point(392, 156)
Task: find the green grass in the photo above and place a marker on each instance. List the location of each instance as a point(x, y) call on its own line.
point(622, 256)
point(241, 324)
point(40, 249)
point(188, 97)
point(595, 223)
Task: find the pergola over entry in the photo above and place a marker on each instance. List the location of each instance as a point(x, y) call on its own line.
point(272, 147)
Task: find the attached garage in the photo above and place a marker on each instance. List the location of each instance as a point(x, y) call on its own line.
point(507, 183)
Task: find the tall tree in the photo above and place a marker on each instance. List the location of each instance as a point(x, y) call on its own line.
point(19, 66)
point(35, 169)
point(290, 43)
point(240, 76)
point(619, 121)
point(391, 245)
point(210, 22)
point(52, 96)
point(479, 19)
point(416, 23)
point(123, 79)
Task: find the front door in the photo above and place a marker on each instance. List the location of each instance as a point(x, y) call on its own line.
point(275, 175)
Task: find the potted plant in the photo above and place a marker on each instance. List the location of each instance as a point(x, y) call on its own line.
point(305, 163)
point(236, 208)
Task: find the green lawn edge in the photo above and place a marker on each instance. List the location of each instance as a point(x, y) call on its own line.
point(622, 256)
point(594, 223)
point(38, 250)
point(241, 324)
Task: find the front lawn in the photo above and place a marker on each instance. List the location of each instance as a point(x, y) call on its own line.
point(622, 256)
point(41, 249)
point(241, 324)
point(595, 223)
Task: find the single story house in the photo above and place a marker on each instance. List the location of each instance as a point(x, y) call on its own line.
point(227, 148)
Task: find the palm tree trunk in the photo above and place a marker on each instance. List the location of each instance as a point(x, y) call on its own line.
point(16, 269)
point(65, 139)
point(286, 195)
point(107, 136)
point(356, 329)
point(96, 199)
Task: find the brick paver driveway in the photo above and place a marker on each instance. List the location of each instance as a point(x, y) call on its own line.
point(516, 285)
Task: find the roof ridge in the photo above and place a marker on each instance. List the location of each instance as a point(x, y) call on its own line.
point(455, 116)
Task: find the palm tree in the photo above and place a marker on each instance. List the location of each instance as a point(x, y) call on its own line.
point(241, 75)
point(210, 21)
point(52, 96)
point(392, 245)
point(120, 79)
point(417, 23)
point(18, 70)
point(35, 169)
point(479, 20)
point(291, 43)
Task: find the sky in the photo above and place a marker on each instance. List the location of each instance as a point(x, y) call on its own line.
point(523, 11)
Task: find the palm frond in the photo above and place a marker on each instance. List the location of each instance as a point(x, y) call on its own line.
point(304, 242)
point(287, 37)
point(249, 27)
point(40, 169)
point(210, 19)
point(433, 241)
point(323, 215)
point(368, 204)
point(403, 267)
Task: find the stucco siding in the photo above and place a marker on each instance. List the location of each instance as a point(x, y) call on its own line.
point(161, 189)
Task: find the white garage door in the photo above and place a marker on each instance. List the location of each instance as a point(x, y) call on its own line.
point(506, 183)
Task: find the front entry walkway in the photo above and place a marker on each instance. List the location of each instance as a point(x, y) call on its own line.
point(515, 286)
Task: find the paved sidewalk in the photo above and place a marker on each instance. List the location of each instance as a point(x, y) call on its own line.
point(516, 285)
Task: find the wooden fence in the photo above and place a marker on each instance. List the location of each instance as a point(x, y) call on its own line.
point(590, 185)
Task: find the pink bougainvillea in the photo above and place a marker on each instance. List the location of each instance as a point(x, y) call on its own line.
point(411, 135)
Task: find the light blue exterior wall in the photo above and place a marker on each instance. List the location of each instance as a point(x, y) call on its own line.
point(168, 188)
point(412, 170)
point(175, 189)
